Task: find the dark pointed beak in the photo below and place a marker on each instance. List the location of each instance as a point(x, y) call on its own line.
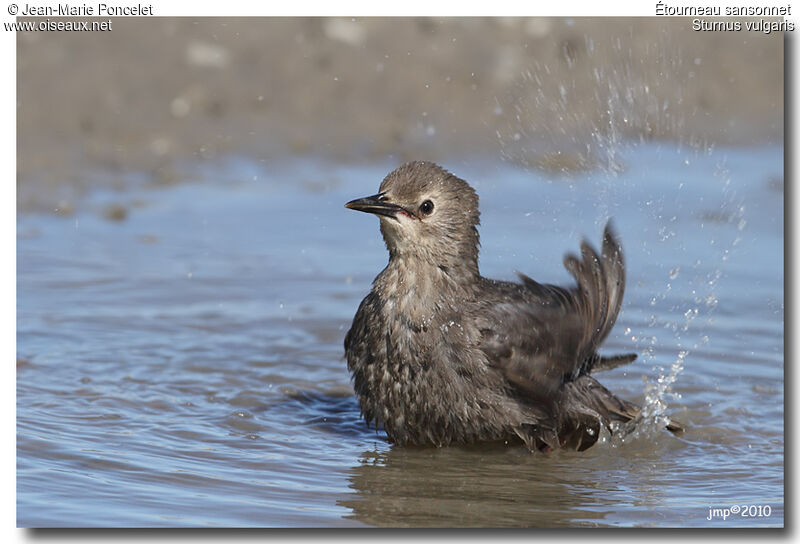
point(377, 204)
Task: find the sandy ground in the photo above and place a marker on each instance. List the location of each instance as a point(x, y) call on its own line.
point(154, 93)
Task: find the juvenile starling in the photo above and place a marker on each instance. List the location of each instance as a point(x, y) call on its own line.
point(440, 354)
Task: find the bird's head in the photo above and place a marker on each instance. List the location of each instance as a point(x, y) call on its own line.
point(427, 214)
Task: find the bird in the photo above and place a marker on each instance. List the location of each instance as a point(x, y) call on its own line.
point(440, 355)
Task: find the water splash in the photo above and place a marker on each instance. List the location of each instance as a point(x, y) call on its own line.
point(704, 301)
point(653, 418)
point(601, 97)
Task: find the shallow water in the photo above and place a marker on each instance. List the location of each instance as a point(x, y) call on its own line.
point(184, 366)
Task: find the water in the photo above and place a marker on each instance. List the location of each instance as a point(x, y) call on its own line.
point(184, 366)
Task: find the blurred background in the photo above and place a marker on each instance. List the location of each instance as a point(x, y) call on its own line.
point(187, 271)
point(155, 93)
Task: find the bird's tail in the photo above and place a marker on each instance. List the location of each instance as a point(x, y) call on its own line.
point(598, 363)
point(587, 405)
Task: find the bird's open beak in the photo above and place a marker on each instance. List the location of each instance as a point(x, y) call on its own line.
point(377, 204)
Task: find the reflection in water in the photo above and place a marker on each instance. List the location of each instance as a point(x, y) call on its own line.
point(497, 486)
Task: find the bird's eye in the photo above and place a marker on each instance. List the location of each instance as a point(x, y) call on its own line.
point(426, 208)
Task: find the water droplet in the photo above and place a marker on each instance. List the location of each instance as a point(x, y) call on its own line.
point(674, 272)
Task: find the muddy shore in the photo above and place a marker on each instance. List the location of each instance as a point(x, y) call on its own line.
point(155, 94)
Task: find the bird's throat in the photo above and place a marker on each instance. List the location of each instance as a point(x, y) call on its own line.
point(420, 289)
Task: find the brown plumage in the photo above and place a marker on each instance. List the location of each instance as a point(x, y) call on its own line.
point(440, 354)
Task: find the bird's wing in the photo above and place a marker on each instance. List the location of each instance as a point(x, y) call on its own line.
point(534, 346)
point(361, 353)
point(546, 335)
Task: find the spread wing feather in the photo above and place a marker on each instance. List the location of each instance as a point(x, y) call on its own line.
point(543, 339)
point(542, 335)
